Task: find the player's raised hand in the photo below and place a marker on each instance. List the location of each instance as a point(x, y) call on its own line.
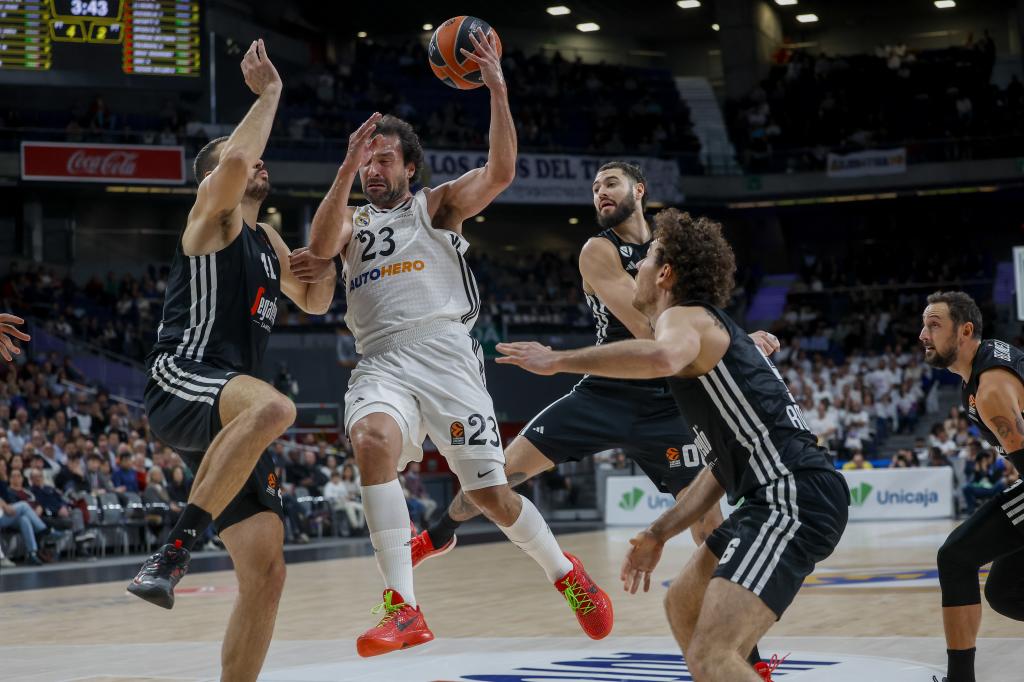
point(309, 269)
point(766, 343)
point(643, 556)
point(485, 55)
point(8, 347)
point(360, 144)
point(257, 69)
point(530, 355)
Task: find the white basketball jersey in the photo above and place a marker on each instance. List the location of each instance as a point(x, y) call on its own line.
point(401, 272)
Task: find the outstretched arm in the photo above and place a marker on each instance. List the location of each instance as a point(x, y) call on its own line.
point(331, 229)
point(675, 345)
point(222, 190)
point(453, 202)
point(691, 505)
point(314, 297)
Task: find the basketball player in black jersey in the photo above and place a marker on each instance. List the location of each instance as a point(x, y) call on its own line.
point(992, 395)
point(202, 398)
point(600, 413)
point(750, 431)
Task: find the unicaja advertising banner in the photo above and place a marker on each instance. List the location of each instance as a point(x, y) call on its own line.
point(554, 178)
point(883, 494)
point(634, 501)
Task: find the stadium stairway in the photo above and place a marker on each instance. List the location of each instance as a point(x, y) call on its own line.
point(717, 152)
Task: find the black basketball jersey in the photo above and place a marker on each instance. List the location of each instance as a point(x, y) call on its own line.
point(219, 308)
point(992, 354)
point(609, 327)
point(746, 423)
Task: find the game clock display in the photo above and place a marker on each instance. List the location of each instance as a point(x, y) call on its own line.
point(156, 37)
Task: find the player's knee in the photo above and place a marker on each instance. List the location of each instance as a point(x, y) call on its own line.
point(702, 657)
point(495, 500)
point(264, 578)
point(368, 442)
point(277, 414)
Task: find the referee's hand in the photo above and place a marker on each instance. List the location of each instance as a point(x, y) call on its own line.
point(8, 347)
point(640, 561)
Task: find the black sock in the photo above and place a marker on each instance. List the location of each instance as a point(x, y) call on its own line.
point(443, 531)
point(961, 665)
point(755, 656)
point(190, 527)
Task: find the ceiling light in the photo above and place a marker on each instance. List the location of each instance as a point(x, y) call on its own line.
point(479, 218)
point(689, 4)
point(361, 34)
point(807, 18)
point(558, 10)
point(271, 210)
point(574, 221)
point(945, 4)
point(588, 27)
point(785, 2)
point(428, 27)
point(716, 27)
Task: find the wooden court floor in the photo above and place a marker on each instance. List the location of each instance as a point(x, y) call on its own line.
point(876, 596)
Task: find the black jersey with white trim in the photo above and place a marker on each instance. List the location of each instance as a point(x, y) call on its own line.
point(607, 326)
point(219, 308)
point(992, 354)
point(747, 426)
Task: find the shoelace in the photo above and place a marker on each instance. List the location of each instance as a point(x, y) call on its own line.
point(775, 662)
point(577, 597)
point(387, 607)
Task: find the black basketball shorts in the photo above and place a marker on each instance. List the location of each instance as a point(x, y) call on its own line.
point(773, 540)
point(182, 401)
point(643, 421)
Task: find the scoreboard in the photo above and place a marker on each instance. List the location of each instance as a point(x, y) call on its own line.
point(154, 37)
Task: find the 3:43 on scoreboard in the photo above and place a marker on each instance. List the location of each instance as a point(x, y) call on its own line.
point(87, 21)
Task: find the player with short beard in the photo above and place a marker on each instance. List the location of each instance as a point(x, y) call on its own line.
point(203, 398)
point(994, 402)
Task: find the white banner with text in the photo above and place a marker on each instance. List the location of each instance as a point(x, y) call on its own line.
point(554, 178)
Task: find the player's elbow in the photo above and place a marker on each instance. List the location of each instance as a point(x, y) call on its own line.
point(501, 175)
point(664, 362)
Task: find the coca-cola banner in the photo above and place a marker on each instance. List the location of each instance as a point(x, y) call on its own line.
point(111, 163)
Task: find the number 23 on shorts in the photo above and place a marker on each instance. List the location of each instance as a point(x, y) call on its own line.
point(485, 431)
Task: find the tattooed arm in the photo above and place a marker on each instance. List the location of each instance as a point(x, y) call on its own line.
point(1000, 399)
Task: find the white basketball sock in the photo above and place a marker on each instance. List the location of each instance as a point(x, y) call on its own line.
point(387, 519)
point(531, 534)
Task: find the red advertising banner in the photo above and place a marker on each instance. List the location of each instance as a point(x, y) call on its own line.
point(111, 163)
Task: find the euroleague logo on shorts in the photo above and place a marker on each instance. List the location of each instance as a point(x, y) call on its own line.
point(458, 432)
point(672, 455)
point(272, 483)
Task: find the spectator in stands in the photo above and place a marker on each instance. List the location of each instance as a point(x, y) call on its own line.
point(937, 458)
point(124, 477)
point(161, 511)
point(178, 487)
point(824, 425)
point(940, 439)
point(857, 462)
point(343, 494)
point(904, 459)
point(985, 478)
point(56, 510)
point(22, 516)
point(99, 482)
point(345, 348)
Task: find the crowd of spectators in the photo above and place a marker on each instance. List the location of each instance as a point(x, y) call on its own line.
point(64, 442)
point(810, 105)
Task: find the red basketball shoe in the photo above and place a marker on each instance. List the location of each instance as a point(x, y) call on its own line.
point(589, 602)
point(423, 549)
point(765, 670)
point(401, 627)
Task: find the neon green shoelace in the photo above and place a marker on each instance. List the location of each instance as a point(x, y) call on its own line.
point(577, 598)
point(387, 608)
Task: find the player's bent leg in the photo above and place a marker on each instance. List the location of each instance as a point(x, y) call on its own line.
point(1004, 587)
point(686, 596)
point(523, 524)
point(714, 652)
point(253, 413)
point(707, 524)
point(523, 461)
point(377, 441)
point(255, 546)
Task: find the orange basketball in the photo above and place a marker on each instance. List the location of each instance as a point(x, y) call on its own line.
point(446, 58)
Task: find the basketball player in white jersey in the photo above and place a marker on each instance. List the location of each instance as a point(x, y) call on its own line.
point(411, 303)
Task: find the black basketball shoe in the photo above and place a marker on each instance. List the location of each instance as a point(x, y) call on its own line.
point(161, 572)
